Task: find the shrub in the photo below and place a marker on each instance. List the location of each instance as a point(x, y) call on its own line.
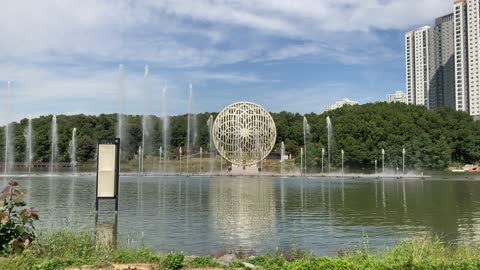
point(173, 261)
point(16, 225)
point(204, 262)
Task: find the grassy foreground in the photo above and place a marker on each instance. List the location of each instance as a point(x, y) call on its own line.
point(63, 249)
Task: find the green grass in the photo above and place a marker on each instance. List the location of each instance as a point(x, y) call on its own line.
point(63, 248)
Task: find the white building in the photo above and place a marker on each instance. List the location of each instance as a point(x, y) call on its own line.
point(397, 97)
point(341, 103)
point(417, 51)
point(467, 37)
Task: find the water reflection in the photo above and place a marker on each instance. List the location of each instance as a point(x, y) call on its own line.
point(202, 215)
point(242, 211)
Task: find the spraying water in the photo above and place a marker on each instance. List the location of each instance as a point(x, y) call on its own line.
point(140, 160)
point(330, 142)
point(306, 133)
point(201, 157)
point(210, 144)
point(383, 160)
point(343, 155)
point(403, 160)
point(165, 127)
point(121, 107)
point(258, 148)
point(160, 153)
point(145, 117)
point(27, 133)
point(7, 143)
point(282, 154)
point(72, 148)
point(9, 148)
point(301, 159)
point(189, 119)
point(54, 146)
point(180, 152)
point(323, 157)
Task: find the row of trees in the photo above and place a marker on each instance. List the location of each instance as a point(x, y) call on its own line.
point(432, 138)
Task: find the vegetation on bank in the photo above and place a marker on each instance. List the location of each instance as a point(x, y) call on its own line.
point(433, 139)
point(63, 249)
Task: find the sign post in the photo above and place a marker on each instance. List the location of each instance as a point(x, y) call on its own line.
point(108, 169)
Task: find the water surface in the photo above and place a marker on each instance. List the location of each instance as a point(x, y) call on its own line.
point(202, 215)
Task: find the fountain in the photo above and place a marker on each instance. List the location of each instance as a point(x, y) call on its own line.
point(7, 144)
point(376, 170)
point(180, 153)
point(54, 146)
point(383, 161)
point(28, 145)
point(282, 154)
point(306, 132)
point(145, 117)
point(9, 148)
point(343, 154)
point(72, 148)
point(330, 142)
point(160, 150)
point(201, 155)
point(221, 161)
point(323, 156)
point(211, 148)
point(165, 127)
point(121, 128)
point(189, 120)
point(301, 160)
point(403, 160)
point(140, 160)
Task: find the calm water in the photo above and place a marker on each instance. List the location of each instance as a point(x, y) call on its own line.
point(201, 215)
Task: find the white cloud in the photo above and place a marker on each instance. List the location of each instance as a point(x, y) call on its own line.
point(60, 54)
point(182, 33)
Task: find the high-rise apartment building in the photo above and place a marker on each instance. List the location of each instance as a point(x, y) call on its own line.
point(452, 51)
point(442, 64)
point(417, 51)
point(461, 56)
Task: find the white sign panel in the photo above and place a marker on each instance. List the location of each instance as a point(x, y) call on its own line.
point(106, 171)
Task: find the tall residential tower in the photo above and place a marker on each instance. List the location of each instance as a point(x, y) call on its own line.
point(417, 51)
point(442, 64)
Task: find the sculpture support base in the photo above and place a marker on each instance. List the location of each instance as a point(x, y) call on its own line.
point(247, 170)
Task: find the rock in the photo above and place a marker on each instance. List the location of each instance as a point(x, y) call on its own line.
point(249, 265)
point(227, 259)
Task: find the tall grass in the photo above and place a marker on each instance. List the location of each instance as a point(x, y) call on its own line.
point(64, 248)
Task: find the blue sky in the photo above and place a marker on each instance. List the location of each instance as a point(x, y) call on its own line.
point(63, 56)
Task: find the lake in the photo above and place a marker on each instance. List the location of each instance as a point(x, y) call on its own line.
point(208, 215)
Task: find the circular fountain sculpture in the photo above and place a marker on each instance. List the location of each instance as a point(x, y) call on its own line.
point(244, 133)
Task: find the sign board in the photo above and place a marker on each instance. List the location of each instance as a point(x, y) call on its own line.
point(108, 169)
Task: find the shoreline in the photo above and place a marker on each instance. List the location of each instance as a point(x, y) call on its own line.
point(259, 175)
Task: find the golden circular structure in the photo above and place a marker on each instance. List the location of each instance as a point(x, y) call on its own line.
point(244, 133)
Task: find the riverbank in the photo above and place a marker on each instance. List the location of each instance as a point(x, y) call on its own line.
point(65, 249)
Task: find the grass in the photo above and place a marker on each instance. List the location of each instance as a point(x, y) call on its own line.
point(64, 248)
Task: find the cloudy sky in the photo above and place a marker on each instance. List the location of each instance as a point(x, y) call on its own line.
point(62, 56)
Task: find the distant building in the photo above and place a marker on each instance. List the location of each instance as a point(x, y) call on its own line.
point(397, 97)
point(341, 103)
point(417, 52)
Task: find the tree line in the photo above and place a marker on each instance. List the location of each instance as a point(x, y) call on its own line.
point(433, 139)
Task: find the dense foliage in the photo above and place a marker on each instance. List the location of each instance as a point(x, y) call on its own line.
point(432, 138)
point(17, 230)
